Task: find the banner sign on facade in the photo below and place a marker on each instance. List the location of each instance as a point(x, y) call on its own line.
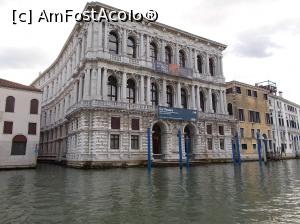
point(177, 114)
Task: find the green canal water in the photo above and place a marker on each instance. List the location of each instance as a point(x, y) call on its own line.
point(221, 193)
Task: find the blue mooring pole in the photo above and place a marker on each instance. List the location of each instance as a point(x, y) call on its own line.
point(187, 152)
point(258, 147)
point(180, 149)
point(233, 149)
point(149, 148)
point(238, 149)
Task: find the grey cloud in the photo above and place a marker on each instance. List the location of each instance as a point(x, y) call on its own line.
point(20, 58)
point(258, 42)
point(254, 44)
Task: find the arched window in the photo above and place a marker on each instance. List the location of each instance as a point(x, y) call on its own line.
point(199, 63)
point(10, 104)
point(113, 43)
point(112, 88)
point(181, 59)
point(211, 67)
point(130, 91)
point(154, 94)
point(18, 146)
point(202, 101)
point(169, 96)
point(153, 51)
point(34, 106)
point(131, 47)
point(229, 108)
point(214, 102)
point(183, 98)
point(168, 55)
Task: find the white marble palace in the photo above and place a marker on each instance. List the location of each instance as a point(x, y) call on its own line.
point(111, 81)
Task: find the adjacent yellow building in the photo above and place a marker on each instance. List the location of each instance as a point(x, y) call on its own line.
point(249, 105)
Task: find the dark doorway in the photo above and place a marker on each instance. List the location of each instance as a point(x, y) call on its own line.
point(156, 141)
point(188, 140)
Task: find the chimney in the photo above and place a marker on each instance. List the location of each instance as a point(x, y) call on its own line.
point(280, 93)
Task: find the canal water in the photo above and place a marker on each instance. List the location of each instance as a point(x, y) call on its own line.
point(221, 193)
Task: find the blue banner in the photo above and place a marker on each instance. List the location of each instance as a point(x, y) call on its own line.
point(170, 113)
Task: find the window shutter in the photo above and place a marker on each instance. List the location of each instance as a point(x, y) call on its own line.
point(115, 123)
point(135, 124)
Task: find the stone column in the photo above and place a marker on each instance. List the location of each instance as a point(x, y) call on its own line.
point(198, 99)
point(104, 84)
point(147, 48)
point(225, 102)
point(207, 65)
point(148, 91)
point(191, 58)
point(164, 93)
point(221, 66)
point(162, 51)
point(221, 102)
point(93, 86)
point(95, 39)
point(87, 78)
point(100, 37)
point(124, 42)
point(209, 101)
point(82, 54)
point(78, 54)
point(105, 37)
point(142, 51)
point(193, 97)
point(75, 92)
point(195, 61)
point(142, 90)
point(124, 86)
point(99, 82)
point(80, 89)
point(178, 95)
point(176, 55)
point(90, 36)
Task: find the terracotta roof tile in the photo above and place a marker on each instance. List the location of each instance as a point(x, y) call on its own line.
point(14, 85)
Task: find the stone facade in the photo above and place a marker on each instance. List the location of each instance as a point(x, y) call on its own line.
point(126, 71)
point(249, 105)
point(20, 110)
point(285, 117)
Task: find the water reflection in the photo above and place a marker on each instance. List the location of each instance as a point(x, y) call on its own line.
point(222, 193)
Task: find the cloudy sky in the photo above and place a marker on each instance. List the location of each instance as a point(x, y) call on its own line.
point(263, 36)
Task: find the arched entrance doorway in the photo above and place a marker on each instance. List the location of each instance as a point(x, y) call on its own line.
point(156, 141)
point(188, 132)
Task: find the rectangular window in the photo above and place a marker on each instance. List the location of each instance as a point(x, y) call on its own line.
point(115, 122)
point(209, 144)
point(252, 133)
point(222, 144)
point(255, 94)
point(135, 124)
point(221, 130)
point(241, 115)
point(228, 91)
point(254, 146)
point(209, 129)
point(268, 120)
point(114, 141)
point(135, 142)
point(242, 132)
point(7, 127)
point(244, 146)
point(32, 128)
point(266, 96)
point(249, 92)
point(18, 148)
point(238, 89)
point(257, 117)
